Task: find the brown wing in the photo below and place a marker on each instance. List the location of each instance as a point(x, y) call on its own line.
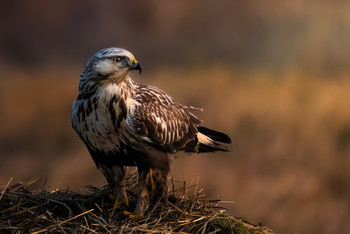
point(162, 121)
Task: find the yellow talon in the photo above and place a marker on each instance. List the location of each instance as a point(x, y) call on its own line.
point(56, 190)
point(132, 215)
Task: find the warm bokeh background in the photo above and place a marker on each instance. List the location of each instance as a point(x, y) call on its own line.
point(274, 75)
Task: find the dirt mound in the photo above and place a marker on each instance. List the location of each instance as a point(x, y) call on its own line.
point(24, 210)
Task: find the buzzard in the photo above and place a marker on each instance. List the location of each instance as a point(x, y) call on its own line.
point(124, 123)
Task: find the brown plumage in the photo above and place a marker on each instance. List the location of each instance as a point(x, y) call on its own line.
point(123, 123)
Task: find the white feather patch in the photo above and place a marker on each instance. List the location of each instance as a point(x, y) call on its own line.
point(204, 139)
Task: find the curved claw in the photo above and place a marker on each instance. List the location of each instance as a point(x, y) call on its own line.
point(132, 215)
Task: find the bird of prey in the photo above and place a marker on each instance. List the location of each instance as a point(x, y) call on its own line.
point(124, 123)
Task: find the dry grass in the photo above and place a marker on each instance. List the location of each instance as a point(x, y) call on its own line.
point(23, 210)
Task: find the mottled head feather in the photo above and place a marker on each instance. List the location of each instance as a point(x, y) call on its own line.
point(112, 52)
point(110, 65)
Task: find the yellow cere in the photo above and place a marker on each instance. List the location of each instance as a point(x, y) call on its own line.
point(134, 61)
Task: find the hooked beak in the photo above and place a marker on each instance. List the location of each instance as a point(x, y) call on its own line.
point(136, 66)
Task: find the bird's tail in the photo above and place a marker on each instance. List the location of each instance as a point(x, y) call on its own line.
point(210, 140)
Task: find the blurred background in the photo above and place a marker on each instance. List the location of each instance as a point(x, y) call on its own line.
point(274, 75)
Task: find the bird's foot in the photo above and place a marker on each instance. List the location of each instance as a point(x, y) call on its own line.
point(118, 200)
point(133, 215)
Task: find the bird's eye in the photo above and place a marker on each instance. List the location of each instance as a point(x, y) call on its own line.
point(117, 59)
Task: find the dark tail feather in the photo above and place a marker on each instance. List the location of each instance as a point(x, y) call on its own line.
point(215, 135)
point(214, 140)
point(203, 148)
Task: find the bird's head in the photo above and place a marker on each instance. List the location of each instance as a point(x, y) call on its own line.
point(111, 65)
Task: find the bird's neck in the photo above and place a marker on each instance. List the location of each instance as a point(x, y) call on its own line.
point(121, 87)
point(124, 89)
point(120, 94)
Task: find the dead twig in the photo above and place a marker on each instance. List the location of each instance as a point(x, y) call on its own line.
point(2, 192)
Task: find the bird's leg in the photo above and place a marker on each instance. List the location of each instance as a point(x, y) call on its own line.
point(115, 177)
point(143, 193)
point(152, 188)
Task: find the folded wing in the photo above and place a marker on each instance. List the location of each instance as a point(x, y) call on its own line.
point(161, 121)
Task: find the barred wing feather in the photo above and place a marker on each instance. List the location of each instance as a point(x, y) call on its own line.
point(162, 121)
